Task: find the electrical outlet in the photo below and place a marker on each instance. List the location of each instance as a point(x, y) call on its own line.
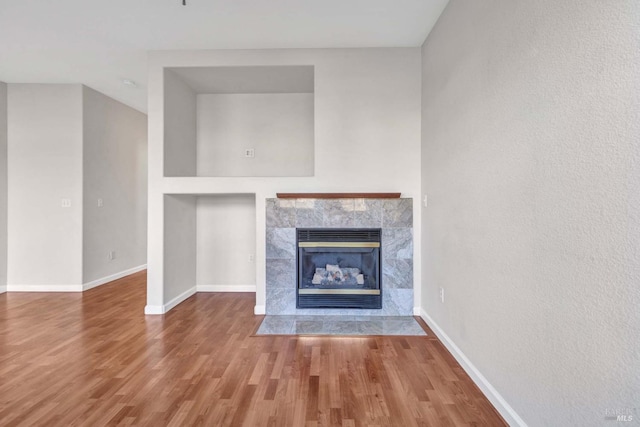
point(249, 153)
point(252, 258)
point(112, 255)
point(65, 203)
point(425, 201)
point(100, 203)
point(442, 295)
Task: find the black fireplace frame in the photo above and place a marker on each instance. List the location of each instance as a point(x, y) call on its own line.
point(342, 298)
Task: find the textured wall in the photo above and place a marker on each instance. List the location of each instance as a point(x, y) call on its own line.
point(3, 187)
point(180, 248)
point(530, 159)
point(226, 237)
point(114, 170)
point(278, 126)
point(44, 166)
point(179, 126)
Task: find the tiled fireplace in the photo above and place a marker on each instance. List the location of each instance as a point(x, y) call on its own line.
point(393, 216)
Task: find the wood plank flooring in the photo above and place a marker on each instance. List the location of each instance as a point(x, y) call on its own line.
point(95, 359)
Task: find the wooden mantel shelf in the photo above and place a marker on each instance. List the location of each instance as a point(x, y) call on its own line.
point(338, 195)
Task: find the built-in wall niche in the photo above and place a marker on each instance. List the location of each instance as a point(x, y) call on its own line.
point(226, 242)
point(209, 242)
point(242, 121)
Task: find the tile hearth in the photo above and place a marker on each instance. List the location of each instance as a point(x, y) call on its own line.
point(340, 325)
point(393, 216)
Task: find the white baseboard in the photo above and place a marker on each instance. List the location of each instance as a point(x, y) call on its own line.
point(417, 311)
point(259, 309)
point(177, 300)
point(226, 288)
point(72, 288)
point(501, 405)
point(113, 277)
point(3, 289)
point(154, 309)
point(12, 287)
point(162, 309)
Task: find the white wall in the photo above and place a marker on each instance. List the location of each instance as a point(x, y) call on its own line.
point(44, 166)
point(531, 161)
point(367, 138)
point(180, 248)
point(226, 239)
point(115, 171)
point(278, 126)
point(3, 187)
point(179, 127)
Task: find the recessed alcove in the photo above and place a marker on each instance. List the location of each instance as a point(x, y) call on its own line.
point(239, 121)
point(226, 242)
point(210, 242)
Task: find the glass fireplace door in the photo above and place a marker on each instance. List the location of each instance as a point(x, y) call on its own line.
point(339, 268)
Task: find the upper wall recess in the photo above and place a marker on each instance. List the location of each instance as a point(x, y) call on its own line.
point(248, 79)
point(243, 121)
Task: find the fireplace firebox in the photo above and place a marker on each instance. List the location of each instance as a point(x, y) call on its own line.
point(339, 268)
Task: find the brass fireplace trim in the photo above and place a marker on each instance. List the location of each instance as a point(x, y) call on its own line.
point(339, 291)
point(339, 244)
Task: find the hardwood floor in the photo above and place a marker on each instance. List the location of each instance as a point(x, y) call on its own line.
point(95, 359)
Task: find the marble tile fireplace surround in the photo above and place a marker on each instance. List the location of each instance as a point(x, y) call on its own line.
point(393, 216)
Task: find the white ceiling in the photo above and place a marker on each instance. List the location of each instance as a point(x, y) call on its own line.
point(101, 42)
